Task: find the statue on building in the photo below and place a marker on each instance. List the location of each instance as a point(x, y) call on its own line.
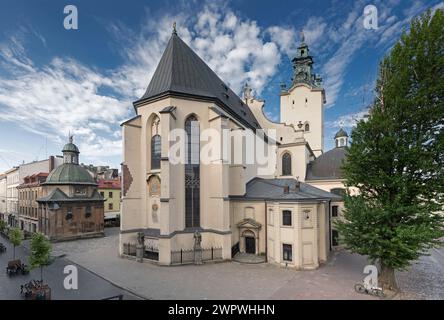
point(197, 247)
point(247, 92)
point(140, 238)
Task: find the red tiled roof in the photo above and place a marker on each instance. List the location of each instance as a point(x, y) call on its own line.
point(109, 184)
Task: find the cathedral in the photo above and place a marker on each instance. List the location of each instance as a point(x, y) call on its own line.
point(283, 215)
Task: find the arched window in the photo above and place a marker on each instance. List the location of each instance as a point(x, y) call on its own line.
point(286, 164)
point(155, 143)
point(155, 152)
point(154, 186)
point(307, 127)
point(192, 173)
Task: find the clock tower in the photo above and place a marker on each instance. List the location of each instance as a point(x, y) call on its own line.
point(302, 105)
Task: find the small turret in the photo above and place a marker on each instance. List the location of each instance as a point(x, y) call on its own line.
point(341, 138)
point(70, 152)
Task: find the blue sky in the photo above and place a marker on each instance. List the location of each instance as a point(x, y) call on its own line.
point(53, 80)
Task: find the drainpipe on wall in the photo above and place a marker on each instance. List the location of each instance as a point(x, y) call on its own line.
point(266, 236)
point(329, 225)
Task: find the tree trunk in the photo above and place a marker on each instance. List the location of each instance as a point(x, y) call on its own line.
point(387, 279)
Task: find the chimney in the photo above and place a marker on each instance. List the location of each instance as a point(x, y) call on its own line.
point(297, 186)
point(51, 163)
point(286, 189)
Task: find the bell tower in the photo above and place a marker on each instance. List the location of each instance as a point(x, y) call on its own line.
point(302, 105)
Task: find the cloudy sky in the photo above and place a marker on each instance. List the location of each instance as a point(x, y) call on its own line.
point(54, 81)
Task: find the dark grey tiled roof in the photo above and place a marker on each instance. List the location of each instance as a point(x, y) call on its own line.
point(273, 189)
point(327, 166)
point(181, 71)
point(341, 133)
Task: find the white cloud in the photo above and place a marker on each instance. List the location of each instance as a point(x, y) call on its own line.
point(347, 121)
point(61, 97)
point(285, 38)
point(66, 95)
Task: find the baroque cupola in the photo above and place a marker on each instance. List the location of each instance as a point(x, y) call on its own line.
point(303, 66)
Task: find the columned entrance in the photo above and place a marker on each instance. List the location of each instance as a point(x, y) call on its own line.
point(249, 236)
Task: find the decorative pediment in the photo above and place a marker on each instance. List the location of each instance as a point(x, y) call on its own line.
point(249, 223)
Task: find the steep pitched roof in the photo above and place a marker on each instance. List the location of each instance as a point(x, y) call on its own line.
point(341, 133)
point(181, 71)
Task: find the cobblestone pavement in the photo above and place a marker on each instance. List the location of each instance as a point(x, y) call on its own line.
point(91, 286)
point(232, 280)
point(425, 278)
point(229, 280)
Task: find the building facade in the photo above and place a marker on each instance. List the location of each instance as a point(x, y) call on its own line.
point(28, 179)
point(110, 191)
point(71, 207)
point(3, 197)
point(12, 182)
point(269, 209)
point(28, 192)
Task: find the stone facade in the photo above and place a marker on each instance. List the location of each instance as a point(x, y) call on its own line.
point(110, 190)
point(238, 207)
point(28, 193)
point(71, 207)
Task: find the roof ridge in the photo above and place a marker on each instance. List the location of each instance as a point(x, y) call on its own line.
point(182, 71)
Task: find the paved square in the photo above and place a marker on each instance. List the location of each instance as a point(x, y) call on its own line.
point(231, 280)
point(103, 274)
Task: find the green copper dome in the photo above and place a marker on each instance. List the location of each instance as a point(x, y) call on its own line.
point(70, 147)
point(70, 173)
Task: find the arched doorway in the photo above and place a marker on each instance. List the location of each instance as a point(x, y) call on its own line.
point(249, 241)
point(250, 244)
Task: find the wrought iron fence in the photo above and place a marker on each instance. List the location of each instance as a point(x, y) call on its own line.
point(129, 249)
point(151, 253)
point(183, 256)
point(234, 249)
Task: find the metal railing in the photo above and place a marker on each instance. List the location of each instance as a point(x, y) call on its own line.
point(129, 249)
point(184, 256)
point(151, 253)
point(234, 249)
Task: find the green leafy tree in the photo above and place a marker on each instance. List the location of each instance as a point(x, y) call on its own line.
point(15, 236)
point(40, 252)
point(2, 226)
point(396, 158)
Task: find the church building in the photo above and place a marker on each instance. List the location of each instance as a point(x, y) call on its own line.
point(283, 216)
point(71, 206)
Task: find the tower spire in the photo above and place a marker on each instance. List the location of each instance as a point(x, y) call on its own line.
point(174, 28)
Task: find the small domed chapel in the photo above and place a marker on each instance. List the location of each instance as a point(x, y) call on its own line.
point(284, 215)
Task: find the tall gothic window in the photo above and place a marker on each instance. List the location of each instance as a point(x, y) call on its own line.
point(286, 164)
point(155, 152)
point(192, 173)
point(155, 143)
point(307, 127)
